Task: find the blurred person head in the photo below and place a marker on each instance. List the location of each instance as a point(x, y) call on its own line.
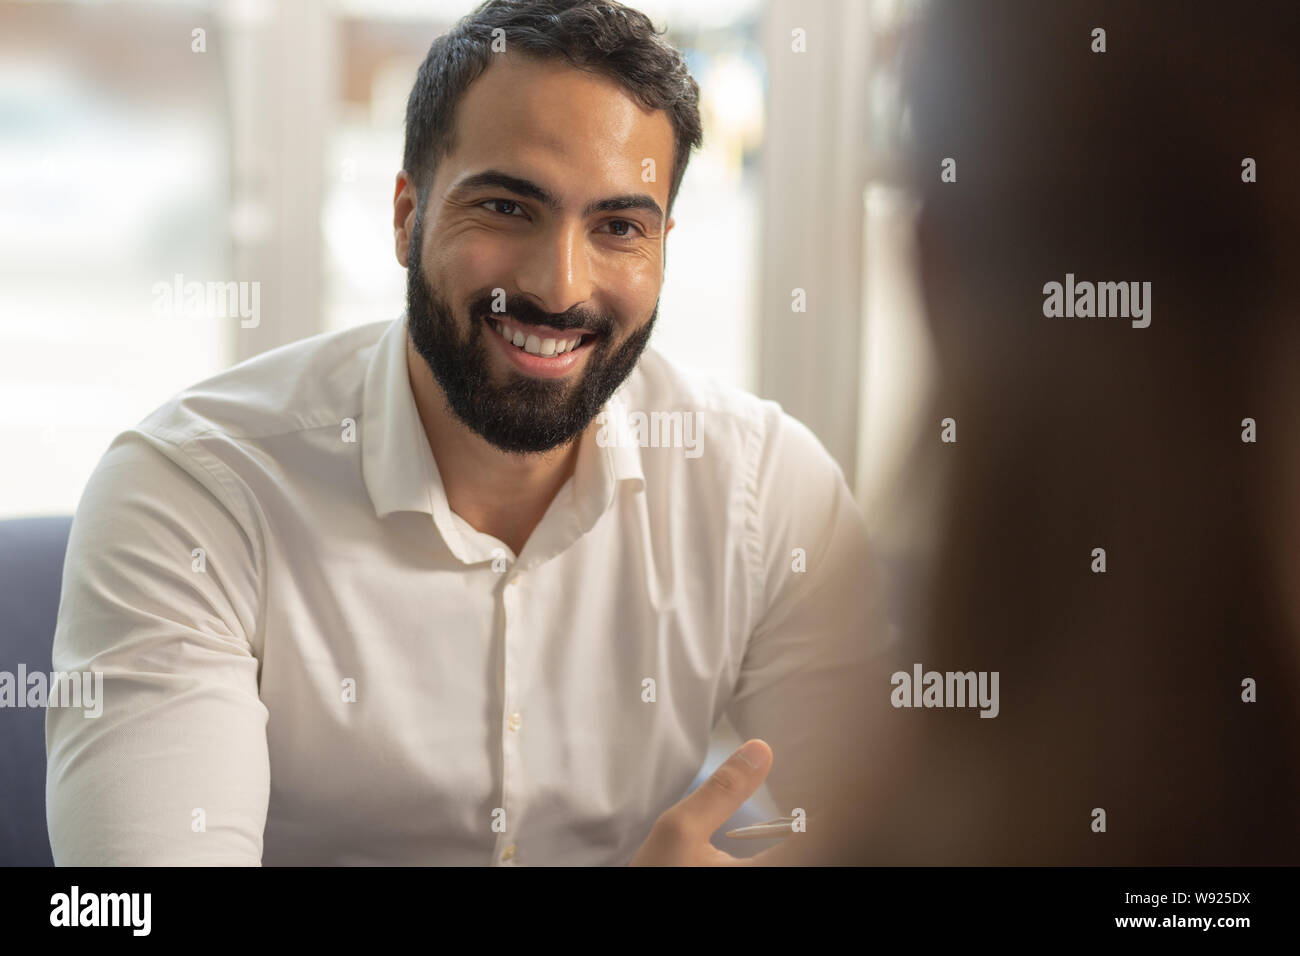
point(545, 144)
point(1120, 690)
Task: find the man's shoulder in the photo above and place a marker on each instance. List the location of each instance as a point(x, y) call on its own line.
point(660, 384)
point(734, 426)
point(306, 384)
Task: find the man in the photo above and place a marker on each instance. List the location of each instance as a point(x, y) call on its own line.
point(423, 591)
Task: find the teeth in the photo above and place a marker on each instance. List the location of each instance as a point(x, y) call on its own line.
point(536, 345)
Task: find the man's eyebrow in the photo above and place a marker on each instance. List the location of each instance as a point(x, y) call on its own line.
point(530, 190)
point(630, 201)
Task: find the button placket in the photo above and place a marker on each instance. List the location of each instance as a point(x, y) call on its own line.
point(506, 847)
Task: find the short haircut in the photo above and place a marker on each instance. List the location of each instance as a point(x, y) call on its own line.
point(597, 36)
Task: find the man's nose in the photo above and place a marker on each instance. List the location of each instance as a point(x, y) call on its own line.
point(556, 271)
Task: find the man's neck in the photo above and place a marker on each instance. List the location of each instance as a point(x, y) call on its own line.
point(496, 492)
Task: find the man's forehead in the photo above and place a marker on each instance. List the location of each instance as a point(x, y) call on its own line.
point(545, 113)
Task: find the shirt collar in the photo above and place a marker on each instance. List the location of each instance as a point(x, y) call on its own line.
point(395, 455)
point(400, 472)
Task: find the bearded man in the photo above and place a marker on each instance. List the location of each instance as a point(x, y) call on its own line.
point(420, 591)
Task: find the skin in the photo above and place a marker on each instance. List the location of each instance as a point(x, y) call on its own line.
point(680, 837)
point(581, 138)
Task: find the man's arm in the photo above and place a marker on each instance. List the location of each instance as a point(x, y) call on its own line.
point(175, 769)
point(815, 668)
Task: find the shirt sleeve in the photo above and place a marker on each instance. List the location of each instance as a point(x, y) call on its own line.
point(816, 660)
point(160, 597)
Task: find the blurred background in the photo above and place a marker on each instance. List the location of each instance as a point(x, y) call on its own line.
point(258, 140)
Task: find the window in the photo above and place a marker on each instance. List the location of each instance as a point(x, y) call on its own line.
point(111, 182)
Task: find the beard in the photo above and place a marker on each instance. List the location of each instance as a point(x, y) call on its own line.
point(521, 415)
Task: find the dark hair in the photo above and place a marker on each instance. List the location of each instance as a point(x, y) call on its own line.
point(598, 36)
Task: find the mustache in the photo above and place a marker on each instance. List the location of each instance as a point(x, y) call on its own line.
point(521, 309)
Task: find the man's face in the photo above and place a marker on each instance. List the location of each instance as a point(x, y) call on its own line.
point(566, 267)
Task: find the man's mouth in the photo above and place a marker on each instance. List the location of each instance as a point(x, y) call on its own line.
point(539, 340)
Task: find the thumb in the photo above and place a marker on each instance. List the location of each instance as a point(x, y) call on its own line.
point(715, 800)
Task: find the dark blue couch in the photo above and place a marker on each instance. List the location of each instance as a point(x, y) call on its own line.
point(31, 572)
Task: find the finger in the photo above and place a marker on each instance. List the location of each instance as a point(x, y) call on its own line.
point(783, 855)
point(723, 858)
point(715, 800)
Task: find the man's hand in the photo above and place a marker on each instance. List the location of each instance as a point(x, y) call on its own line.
point(680, 837)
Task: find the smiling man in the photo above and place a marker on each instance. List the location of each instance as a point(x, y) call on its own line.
point(396, 595)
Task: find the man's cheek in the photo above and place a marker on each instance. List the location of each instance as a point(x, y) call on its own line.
point(475, 260)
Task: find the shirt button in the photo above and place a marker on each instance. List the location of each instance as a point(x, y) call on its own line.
point(509, 853)
point(515, 721)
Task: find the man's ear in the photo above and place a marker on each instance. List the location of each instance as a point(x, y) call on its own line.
point(667, 229)
point(405, 205)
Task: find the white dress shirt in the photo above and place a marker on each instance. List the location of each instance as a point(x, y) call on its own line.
point(308, 658)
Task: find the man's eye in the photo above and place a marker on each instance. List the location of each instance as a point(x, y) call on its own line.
point(620, 234)
point(502, 202)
